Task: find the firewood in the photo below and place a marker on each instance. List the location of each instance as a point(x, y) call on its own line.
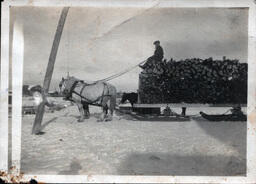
point(194, 81)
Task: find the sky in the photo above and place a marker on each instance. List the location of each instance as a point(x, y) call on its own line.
point(99, 42)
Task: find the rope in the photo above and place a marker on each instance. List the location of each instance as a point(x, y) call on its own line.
point(120, 73)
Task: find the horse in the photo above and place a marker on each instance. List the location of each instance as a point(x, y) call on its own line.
point(131, 97)
point(83, 94)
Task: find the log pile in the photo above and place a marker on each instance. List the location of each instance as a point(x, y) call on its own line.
point(194, 81)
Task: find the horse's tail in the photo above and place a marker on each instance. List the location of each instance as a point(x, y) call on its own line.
point(113, 102)
point(113, 98)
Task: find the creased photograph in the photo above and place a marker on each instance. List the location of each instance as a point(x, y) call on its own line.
point(130, 91)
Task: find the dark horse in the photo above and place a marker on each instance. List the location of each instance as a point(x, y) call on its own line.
point(131, 97)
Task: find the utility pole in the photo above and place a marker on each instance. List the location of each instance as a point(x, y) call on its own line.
point(48, 75)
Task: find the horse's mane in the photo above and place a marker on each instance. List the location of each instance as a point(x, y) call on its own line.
point(83, 81)
point(70, 81)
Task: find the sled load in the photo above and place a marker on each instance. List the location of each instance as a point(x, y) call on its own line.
point(194, 80)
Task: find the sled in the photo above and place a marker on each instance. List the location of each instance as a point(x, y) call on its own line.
point(224, 117)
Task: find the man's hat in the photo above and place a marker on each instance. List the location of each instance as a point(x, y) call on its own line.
point(35, 88)
point(156, 42)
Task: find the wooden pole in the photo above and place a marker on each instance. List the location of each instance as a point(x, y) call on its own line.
point(139, 89)
point(48, 75)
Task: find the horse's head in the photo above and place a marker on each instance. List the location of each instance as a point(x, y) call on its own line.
point(65, 85)
point(62, 85)
point(124, 98)
point(131, 97)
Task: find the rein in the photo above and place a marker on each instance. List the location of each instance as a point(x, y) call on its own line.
point(120, 73)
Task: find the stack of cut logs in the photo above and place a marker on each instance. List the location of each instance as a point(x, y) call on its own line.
point(194, 81)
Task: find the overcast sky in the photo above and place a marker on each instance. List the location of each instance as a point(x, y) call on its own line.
point(99, 42)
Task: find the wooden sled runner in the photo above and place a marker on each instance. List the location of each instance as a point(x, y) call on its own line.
point(224, 117)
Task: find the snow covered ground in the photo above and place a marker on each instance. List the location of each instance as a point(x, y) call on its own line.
point(128, 146)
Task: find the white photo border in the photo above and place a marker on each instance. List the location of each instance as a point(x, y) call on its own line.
point(5, 17)
point(17, 85)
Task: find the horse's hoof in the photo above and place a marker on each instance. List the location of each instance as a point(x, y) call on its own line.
point(80, 120)
point(86, 117)
point(107, 119)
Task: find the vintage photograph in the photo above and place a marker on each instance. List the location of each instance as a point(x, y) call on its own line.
point(133, 91)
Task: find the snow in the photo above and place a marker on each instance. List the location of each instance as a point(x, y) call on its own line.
point(127, 146)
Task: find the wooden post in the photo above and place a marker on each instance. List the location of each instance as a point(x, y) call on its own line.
point(48, 75)
point(139, 91)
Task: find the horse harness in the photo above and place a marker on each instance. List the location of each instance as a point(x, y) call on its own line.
point(90, 102)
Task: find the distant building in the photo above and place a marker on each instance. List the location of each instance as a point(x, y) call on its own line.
point(25, 90)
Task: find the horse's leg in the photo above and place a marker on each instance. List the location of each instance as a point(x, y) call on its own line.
point(105, 108)
point(86, 110)
point(104, 112)
point(112, 100)
point(81, 110)
point(111, 104)
point(109, 113)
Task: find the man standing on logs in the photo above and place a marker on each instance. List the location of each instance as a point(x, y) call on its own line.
point(157, 57)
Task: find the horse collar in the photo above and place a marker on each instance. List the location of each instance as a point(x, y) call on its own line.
point(69, 94)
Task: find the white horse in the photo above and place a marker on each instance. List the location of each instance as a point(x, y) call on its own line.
point(84, 94)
